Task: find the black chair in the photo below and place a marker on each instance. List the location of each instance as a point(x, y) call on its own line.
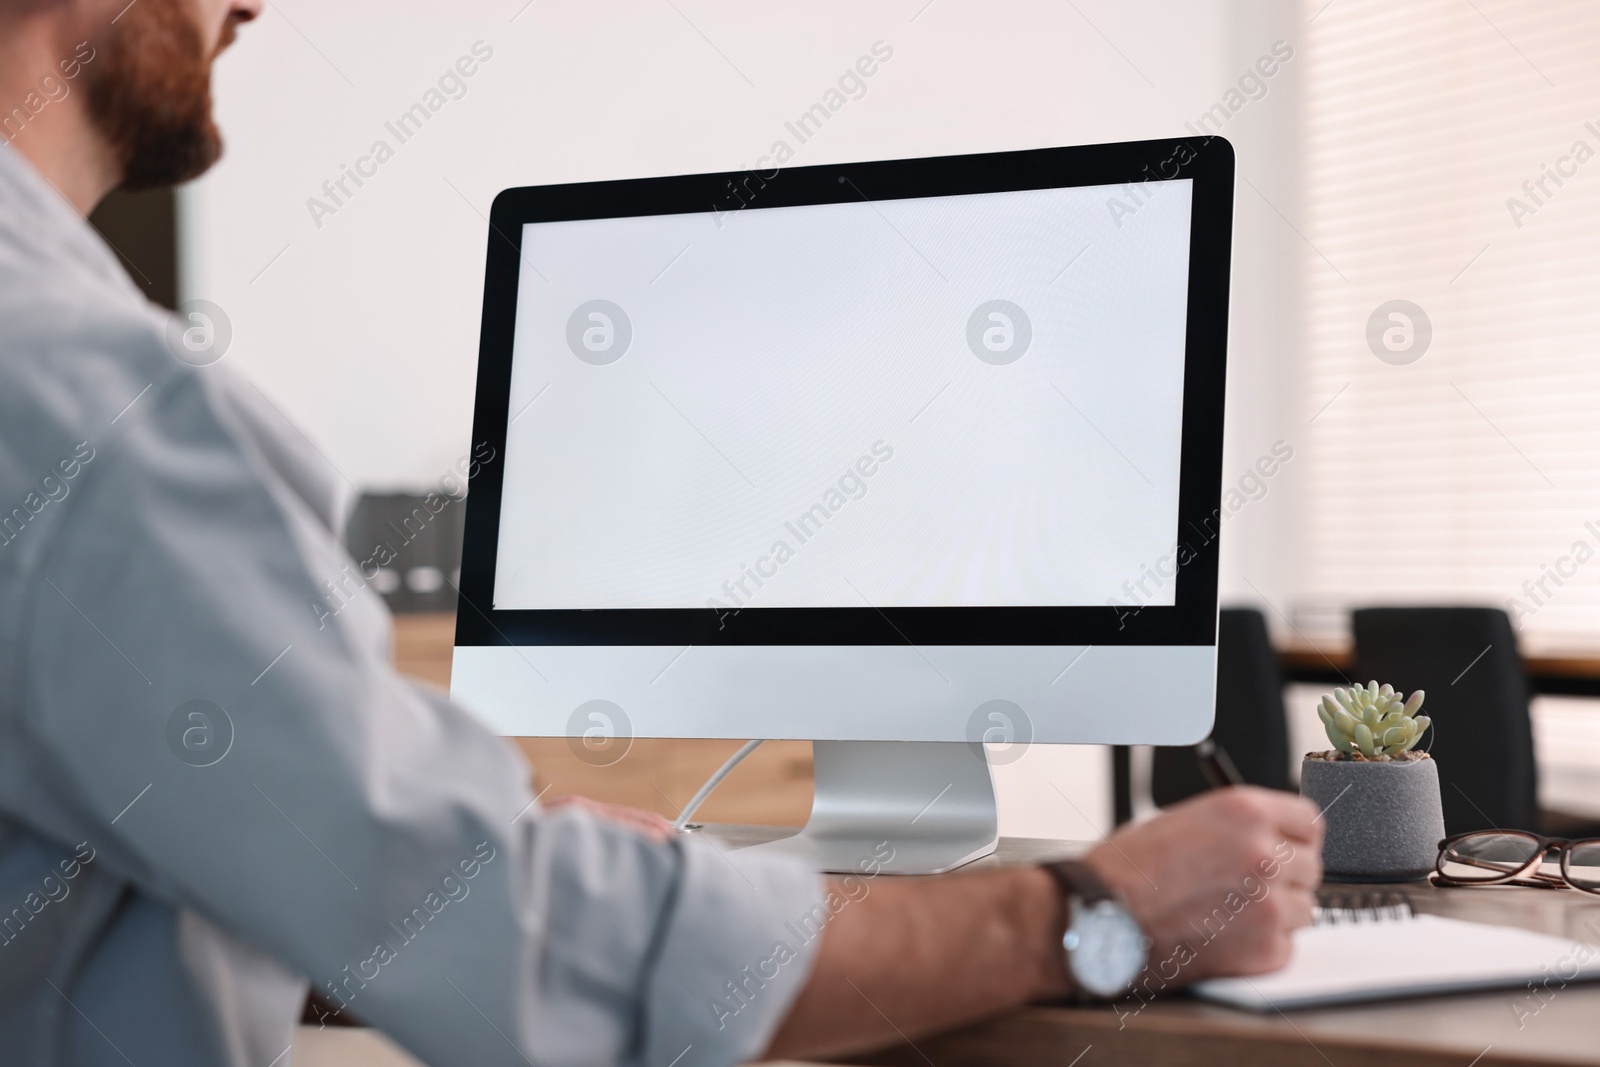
point(1466, 660)
point(1250, 727)
point(408, 548)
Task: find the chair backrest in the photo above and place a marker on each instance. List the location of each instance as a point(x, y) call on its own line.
point(1250, 724)
point(409, 548)
point(1477, 696)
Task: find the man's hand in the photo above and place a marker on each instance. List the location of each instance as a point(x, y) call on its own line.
point(646, 824)
point(1218, 882)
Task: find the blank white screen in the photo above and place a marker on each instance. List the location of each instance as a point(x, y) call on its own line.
point(799, 419)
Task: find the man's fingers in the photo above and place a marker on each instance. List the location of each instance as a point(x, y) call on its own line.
point(1260, 938)
point(1290, 907)
point(648, 823)
point(1291, 816)
point(1302, 907)
point(1304, 869)
point(1236, 869)
point(1300, 819)
point(1288, 815)
point(1269, 935)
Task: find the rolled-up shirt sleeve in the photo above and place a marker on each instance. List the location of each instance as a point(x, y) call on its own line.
point(358, 827)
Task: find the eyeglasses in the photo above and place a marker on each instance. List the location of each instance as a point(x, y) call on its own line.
point(1512, 857)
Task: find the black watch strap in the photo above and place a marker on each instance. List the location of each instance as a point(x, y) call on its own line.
point(1078, 879)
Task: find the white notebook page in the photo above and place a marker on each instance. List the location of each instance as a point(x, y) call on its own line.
point(1371, 960)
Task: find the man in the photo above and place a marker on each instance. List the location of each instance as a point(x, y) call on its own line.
point(161, 532)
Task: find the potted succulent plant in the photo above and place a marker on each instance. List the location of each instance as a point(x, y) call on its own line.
point(1379, 797)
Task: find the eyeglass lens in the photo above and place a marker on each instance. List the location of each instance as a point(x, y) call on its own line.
point(1494, 854)
point(1581, 864)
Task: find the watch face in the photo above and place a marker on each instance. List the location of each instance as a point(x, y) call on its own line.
point(1105, 948)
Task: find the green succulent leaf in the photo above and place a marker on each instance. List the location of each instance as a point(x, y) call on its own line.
point(1372, 719)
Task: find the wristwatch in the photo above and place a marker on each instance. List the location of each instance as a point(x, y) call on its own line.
point(1104, 945)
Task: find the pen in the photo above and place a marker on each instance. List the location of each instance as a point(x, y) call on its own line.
point(1216, 766)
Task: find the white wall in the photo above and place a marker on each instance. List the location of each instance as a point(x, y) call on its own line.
point(1260, 541)
point(365, 330)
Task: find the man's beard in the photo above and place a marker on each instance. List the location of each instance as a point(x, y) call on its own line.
point(150, 95)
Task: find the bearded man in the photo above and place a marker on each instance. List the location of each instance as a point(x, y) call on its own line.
point(162, 530)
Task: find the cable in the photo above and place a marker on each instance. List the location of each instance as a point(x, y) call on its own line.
point(712, 782)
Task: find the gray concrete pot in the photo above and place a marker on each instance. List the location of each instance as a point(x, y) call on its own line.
point(1382, 821)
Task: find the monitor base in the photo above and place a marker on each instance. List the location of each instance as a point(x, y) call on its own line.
point(896, 807)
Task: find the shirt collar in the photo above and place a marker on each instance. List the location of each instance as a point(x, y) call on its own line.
point(34, 214)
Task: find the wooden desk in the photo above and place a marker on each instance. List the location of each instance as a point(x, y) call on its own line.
point(1457, 1031)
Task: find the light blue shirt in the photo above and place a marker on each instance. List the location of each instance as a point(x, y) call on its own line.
point(170, 884)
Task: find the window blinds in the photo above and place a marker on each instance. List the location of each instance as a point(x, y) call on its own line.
point(1451, 309)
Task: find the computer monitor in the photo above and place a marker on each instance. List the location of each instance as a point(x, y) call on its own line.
point(904, 458)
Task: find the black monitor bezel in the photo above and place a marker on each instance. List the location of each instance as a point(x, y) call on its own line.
point(1208, 161)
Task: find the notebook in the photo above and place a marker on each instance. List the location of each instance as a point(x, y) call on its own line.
point(1367, 948)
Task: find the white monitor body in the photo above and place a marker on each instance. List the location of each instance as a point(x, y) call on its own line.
point(1071, 694)
point(923, 454)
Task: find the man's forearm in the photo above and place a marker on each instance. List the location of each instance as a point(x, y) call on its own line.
point(918, 955)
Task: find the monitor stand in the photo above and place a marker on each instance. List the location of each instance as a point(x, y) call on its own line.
point(896, 807)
